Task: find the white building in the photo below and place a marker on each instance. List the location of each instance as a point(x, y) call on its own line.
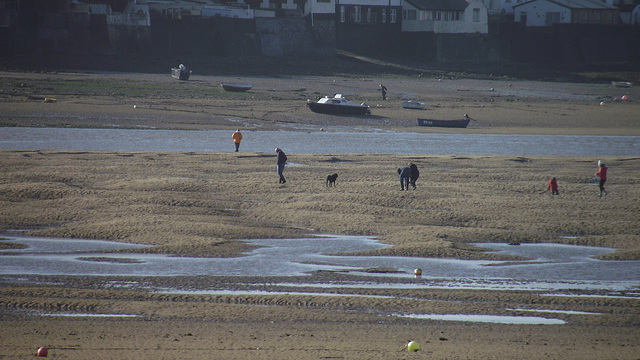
point(445, 16)
point(549, 12)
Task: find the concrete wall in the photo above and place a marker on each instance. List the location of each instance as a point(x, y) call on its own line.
point(80, 37)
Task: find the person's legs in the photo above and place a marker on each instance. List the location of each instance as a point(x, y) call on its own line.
point(280, 171)
point(237, 146)
point(601, 186)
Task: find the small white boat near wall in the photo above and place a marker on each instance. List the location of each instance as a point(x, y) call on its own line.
point(413, 105)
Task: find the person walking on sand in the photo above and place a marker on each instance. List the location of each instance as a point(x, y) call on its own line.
point(383, 90)
point(405, 174)
point(237, 138)
point(553, 186)
point(282, 160)
point(602, 177)
point(415, 174)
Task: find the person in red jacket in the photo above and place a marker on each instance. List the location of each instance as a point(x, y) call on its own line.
point(553, 186)
point(602, 176)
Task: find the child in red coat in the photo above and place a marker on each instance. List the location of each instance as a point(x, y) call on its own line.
point(602, 177)
point(553, 186)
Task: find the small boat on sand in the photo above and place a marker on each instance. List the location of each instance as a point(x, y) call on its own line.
point(623, 84)
point(235, 87)
point(413, 105)
point(338, 105)
point(181, 72)
point(462, 123)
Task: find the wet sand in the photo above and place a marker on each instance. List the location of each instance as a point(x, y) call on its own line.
point(132, 100)
point(200, 204)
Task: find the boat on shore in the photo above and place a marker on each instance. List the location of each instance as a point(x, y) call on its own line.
point(413, 105)
point(236, 87)
point(623, 84)
point(462, 123)
point(181, 72)
point(338, 105)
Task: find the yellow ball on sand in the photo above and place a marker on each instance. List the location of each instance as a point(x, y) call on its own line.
point(413, 346)
point(417, 272)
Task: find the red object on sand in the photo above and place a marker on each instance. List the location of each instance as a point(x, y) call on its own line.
point(43, 352)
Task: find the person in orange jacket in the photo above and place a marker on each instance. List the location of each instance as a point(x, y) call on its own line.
point(553, 186)
point(237, 138)
point(602, 177)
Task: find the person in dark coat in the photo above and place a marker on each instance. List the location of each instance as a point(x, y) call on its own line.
point(405, 174)
point(383, 90)
point(415, 174)
point(282, 160)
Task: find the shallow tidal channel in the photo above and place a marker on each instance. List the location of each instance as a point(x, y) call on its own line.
point(548, 266)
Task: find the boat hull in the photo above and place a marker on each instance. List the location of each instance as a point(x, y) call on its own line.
point(236, 87)
point(338, 109)
point(623, 84)
point(179, 74)
point(463, 123)
point(413, 105)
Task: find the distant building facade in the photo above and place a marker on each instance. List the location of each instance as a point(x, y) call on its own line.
point(368, 12)
point(550, 12)
point(445, 16)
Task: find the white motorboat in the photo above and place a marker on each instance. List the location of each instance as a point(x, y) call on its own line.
point(338, 105)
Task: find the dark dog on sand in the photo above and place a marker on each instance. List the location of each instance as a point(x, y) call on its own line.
point(331, 180)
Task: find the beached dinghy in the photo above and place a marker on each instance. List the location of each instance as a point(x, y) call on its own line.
point(235, 87)
point(462, 123)
point(413, 105)
point(181, 72)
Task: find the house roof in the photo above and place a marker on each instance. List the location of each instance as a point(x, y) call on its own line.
point(439, 4)
point(577, 4)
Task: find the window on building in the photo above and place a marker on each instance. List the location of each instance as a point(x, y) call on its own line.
point(410, 15)
point(552, 18)
point(438, 15)
point(476, 15)
point(523, 17)
point(369, 13)
point(343, 14)
point(384, 15)
point(393, 16)
point(357, 14)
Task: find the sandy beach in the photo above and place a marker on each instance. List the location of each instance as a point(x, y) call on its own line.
point(204, 204)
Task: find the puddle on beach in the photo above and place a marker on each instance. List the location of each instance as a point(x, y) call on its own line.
point(494, 319)
point(552, 267)
point(91, 315)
